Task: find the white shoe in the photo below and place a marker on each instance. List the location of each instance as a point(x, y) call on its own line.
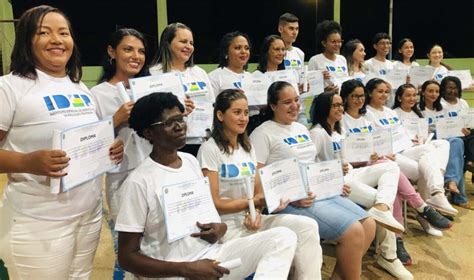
point(386, 220)
point(441, 203)
point(428, 228)
point(395, 268)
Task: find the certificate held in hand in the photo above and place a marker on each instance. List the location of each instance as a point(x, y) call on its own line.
point(325, 179)
point(282, 180)
point(357, 147)
point(168, 82)
point(186, 203)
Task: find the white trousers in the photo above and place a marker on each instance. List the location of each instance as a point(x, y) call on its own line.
point(308, 257)
point(40, 249)
point(113, 181)
point(363, 180)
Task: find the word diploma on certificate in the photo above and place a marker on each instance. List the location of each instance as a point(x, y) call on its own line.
point(417, 128)
point(255, 86)
point(290, 76)
point(168, 82)
point(186, 203)
point(315, 80)
point(449, 127)
point(325, 179)
point(88, 148)
point(420, 74)
point(282, 180)
point(396, 77)
point(400, 138)
point(200, 120)
point(357, 147)
point(382, 142)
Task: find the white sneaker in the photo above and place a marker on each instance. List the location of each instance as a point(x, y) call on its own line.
point(386, 220)
point(428, 228)
point(441, 203)
point(395, 268)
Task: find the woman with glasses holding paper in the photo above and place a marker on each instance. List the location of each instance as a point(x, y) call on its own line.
point(339, 219)
point(228, 159)
point(418, 162)
point(354, 121)
point(176, 54)
point(46, 234)
point(432, 108)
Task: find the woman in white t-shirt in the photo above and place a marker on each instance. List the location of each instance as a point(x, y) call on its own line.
point(227, 158)
point(339, 219)
point(418, 162)
point(333, 65)
point(354, 52)
point(234, 54)
point(405, 56)
point(46, 235)
point(435, 57)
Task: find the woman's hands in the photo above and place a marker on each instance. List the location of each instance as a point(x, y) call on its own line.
point(46, 163)
point(189, 105)
point(305, 202)
point(123, 113)
point(255, 225)
point(116, 151)
point(346, 190)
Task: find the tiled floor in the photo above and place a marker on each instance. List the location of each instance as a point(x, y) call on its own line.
point(449, 257)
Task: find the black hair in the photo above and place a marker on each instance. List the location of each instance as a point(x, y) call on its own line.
point(163, 55)
point(223, 103)
point(326, 28)
point(263, 59)
point(273, 95)
point(444, 84)
point(23, 61)
point(398, 95)
point(347, 88)
point(224, 47)
point(149, 109)
point(379, 36)
point(348, 52)
point(370, 86)
point(109, 66)
point(399, 56)
point(437, 104)
point(287, 17)
point(442, 63)
point(320, 108)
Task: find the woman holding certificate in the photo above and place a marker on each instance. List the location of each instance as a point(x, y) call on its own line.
point(419, 162)
point(125, 59)
point(228, 159)
point(181, 236)
point(405, 57)
point(354, 121)
point(435, 57)
point(339, 219)
point(176, 54)
point(45, 234)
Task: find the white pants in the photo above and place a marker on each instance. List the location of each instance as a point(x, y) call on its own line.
point(420, 162)
point(308, 257)
point(40, 249)
point(113, 181)
point(363, 180)
point(387, 243)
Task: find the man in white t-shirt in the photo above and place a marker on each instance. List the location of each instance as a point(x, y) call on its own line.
point(379, 64)
point(143, 246)
point(288, 27)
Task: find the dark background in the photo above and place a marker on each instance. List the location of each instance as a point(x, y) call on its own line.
point(449, 23)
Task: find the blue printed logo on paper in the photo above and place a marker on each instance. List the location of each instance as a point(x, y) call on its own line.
point(298, 139)
point(338, 69)
point(242, 169)
point(389, 121)
point(194, 86)
point(65, 101)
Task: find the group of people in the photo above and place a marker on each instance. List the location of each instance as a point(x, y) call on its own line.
point(56, 235)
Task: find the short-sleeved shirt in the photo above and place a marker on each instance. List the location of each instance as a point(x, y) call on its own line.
point(379, 67)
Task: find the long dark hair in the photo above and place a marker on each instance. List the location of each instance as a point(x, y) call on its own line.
point(164, 52)
point(399, 55)
point(348, 52)
point(23, 61)
point(437, 104)
point(223, 102)
point(398, 95)
point(371, 85)
point(224, 47)
point(319, 112)
point(263, 59)
point(347, 88)
point(109, 66)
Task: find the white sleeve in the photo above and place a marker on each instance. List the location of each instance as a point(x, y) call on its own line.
point(312, 65)
point(317, 140)
point(7, 105)
point(215, 82)
point(205, 76)
point(208, 157)
point(94, 96)
point(132, 215)
point(261, 144)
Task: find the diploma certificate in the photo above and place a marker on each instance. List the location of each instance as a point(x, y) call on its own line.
point(200, 120)
point(168, 82)
point(420, 74)
point(325, 179)
point(449, 127)
point(255, 87)
point(357, 147)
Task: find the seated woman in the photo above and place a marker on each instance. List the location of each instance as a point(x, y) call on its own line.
point(143, 248)
point(227, 158)
point(339, 219)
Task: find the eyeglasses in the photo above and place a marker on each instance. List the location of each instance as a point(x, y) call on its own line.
point(171, 122)
point(359, 96)
point(336, 42)
point(337, 105)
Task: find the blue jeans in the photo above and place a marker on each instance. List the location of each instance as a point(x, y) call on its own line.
point(455, 169)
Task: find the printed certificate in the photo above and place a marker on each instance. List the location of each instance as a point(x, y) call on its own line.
point(464, 76)
point(357, 147)
point(168, 82)
point(325, 179)
point(290, 76)
point(200, 120)
point(416, 128)
point(420, 74)
point(315, 80)
point(449, 127)
point(255, 87)
point(396, 78)
point(400, 139)
point(382, 142)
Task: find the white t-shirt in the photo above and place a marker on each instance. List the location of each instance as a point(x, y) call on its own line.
point(379, 67)
point(30, 111)
point(382, 119)
point(406, 115)
point(398, 65)
point(196, 82)
point(231, 170)
point(294, 59)
point(224, 78)
point(337, 68)
point(274, 142)
point(452, 110)
point(328, 146)
point(141, 210)
point(439, 73)
point(432, 115)
point(136, 149)
point(359, 125)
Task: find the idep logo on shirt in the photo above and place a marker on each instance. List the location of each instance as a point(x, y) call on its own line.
point(431, 120)
point(452, 114)
point(242, 169)
point(194, 86)
point(389, 121)
point(362, 129)
point(383, 72)
point(298, 139)
point(237, 84)
point(336, 147)
point(338, 69)
point(64, 101)
point(292, 63)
